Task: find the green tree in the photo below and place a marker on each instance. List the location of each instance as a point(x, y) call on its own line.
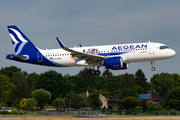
point(110, 107)
point(141, 80)
point(31, 80)
point(138, 109)
point(159, 79)
point(174, 93)
point(83, 101)
point(107, 73)
point(52, 82)
point(138, 89)
point(174, 104)
point(5, 83)
point(86, 74)
point(9, 71)
point(129, 103)
point(42, 97)
point(5, 98)
point(16, 104)
point(99, 82)
point(72, 100)
point(176, 78)
point(129, 81)
point(94, 101)
point(152, 106)
point(80, 85)
point(17, 77)
point(59, 103)
point(172, 98)
point(105, 93)
point(113, 85)
point(164, 89)
point(20, 91)
point(127, 93)
point(31, 103)
point(144, 105)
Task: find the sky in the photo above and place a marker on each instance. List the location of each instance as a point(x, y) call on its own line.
point(92, 22)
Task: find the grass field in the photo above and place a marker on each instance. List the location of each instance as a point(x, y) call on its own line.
point(94, 119)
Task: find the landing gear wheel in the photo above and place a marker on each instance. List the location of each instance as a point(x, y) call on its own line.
point(93, 72)
point(153, 68)
point(98, 72)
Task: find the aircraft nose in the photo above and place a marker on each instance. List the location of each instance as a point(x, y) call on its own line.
point(172, 53)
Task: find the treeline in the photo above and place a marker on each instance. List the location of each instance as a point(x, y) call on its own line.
point(32, 91)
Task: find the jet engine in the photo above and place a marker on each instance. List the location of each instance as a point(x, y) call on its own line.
point(115, 63)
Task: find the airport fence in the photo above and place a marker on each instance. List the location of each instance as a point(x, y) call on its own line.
point(102, 112)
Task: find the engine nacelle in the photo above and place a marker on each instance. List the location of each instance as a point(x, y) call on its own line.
point(115, 63)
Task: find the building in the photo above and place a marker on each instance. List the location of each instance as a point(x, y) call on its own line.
point(151, 95)
point(104, 100)
point(114, 103)
point(157, 97)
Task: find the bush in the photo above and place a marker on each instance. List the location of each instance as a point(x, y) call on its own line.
point(21, 113)
point(110, 107)
point(4, 104)
point(153, 106)
point(164, 112)
point(14, 112)
point(129, 103)
point(104, 110)
point(138, 109)
point(5, 113)
point(157, 113)
point(177, 113)
point(42, 97)
point(172, 112)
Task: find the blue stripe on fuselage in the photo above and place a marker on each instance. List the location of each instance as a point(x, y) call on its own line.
point(113, 53)
point(34, 60)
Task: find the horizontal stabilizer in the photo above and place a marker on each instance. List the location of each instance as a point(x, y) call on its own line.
point(24, 57)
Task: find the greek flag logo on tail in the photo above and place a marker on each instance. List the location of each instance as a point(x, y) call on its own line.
point(20, 42)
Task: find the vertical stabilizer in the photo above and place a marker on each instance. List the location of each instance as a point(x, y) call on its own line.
point(20, 42)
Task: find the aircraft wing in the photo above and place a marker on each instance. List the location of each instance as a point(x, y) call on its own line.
point(18, 56)
point(83, 56)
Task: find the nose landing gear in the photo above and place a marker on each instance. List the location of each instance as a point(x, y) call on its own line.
point(153, 68)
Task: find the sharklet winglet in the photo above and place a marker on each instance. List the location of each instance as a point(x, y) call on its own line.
point(60, 42)
point(80, 45)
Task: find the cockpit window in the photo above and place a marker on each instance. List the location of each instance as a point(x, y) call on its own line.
point(163, 47)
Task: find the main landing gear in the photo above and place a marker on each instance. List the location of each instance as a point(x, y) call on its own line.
point(95, 72)
point(153, 68)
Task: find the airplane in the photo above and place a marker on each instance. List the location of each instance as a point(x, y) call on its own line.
point(114, 57)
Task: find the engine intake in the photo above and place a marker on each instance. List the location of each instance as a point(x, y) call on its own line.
point(115, 63)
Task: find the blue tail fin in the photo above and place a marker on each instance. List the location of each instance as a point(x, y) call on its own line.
point(20, 42)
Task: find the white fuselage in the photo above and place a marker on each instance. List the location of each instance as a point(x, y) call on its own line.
point(136, 52)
